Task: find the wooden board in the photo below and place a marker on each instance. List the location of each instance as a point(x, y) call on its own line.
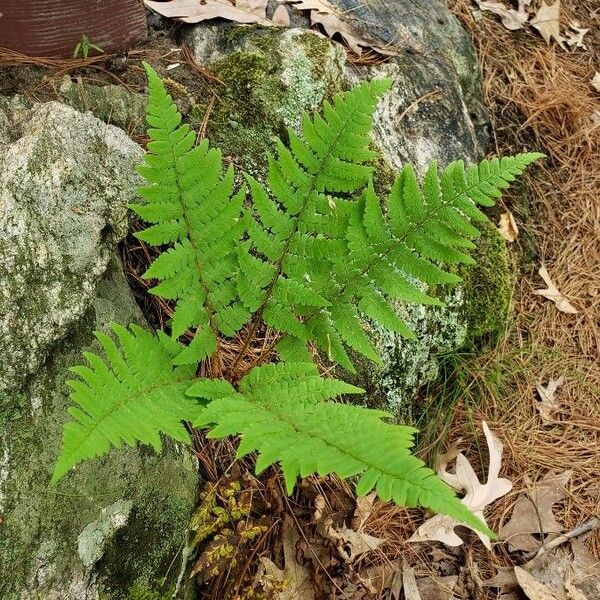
point(54, 27)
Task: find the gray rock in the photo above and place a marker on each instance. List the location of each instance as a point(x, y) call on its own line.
point(433, 112)
point(65, 181)
point(115, 525)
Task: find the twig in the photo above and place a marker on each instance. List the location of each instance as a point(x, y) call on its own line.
point(561, 539)
point(417, 102)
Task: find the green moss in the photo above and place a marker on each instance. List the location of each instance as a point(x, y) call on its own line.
point(269, 79)
point(488, 286)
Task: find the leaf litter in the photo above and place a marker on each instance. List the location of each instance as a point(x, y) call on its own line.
point(320, 12)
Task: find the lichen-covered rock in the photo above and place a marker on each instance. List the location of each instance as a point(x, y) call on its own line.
point(65, 181)
point(115, 525)
point(433, 112)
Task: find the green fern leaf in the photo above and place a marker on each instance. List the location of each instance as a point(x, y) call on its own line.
point(281, 412)
point(192, 205)
point(133, 395)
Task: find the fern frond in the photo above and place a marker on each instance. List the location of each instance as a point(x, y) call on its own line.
point(281, 411)
point(298, 230)
point(313, 252)
point(133, 395)
point(191, 202)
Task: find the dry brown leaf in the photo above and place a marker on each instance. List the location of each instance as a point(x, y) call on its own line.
point(596, 81)
point(293, 578)
point(437, 588)
point(576, 35)
point(505, 580)
point(363, 510)
point(508, 227)
point(281, 16)
point(323, 13)
point(477, 496)
point(547, 22)
point(586, 569)
point(195, 11)
point(409, 583)
point(511, 19)
point(551, 293)
point(534, 589)
point(548, 403)
point(350, 544)
point(256, 7)
point(532, 513)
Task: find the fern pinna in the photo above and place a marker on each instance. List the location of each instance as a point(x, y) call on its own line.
point(310, 256)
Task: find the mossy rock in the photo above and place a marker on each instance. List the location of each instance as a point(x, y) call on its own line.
point(269, 78)
point(113, 523)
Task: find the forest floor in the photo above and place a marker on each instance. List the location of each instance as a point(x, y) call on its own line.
point(540, 97)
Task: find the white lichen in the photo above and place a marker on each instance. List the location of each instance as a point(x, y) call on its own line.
point(93, 538)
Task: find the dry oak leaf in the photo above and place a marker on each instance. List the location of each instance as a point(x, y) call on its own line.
point(534, 589)
point(293, 582)
point(323, 13)
point(576, 35)
point(548, 403)
point(508, 227)
point(532, 513)
point(477, 496)
point(350, 544)
point(363, 510)
point(596, 81)
point(195, 11)
point(511, 19)
point(552, 293)
point(546, 21)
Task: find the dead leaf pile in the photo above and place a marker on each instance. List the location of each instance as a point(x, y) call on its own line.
point(546, 20)
point(477, 495)
point(321, 13)
point(552, 293)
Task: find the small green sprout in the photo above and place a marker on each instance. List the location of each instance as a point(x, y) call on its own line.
point(84, 46)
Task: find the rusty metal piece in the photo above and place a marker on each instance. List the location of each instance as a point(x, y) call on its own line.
point(55, 27)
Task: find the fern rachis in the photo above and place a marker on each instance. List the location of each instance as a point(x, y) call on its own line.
point(312, 255)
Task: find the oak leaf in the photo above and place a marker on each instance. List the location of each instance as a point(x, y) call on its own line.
point(323, 13)
point(546, 21)
point(532, 513)
point(511, 19)
point(552, 293)
point(477, 495)
point(195, 11)
point(293, 581)
point(548, 403)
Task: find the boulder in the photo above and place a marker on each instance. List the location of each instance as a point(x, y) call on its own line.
point(114, 527)
point(433, 112)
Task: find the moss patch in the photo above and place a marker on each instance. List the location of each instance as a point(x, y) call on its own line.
point(488, 286)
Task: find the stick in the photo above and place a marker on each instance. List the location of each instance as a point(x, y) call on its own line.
point(561, 539)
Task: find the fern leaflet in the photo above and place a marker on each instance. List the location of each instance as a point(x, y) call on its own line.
point(132, 396)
